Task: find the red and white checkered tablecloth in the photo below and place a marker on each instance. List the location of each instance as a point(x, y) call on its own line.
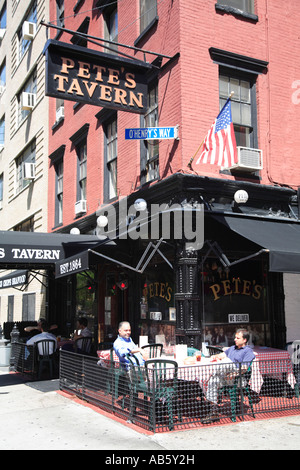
point(275, 363)
point(104, 358)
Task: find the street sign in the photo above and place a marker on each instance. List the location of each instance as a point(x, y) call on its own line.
point(152, 133)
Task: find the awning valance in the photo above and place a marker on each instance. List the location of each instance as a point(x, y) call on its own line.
point(39, 250)
point(280, 238)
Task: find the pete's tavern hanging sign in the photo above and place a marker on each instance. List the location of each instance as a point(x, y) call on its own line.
point(79, 74)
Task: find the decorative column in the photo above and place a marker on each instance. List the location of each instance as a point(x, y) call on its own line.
point(187, 298)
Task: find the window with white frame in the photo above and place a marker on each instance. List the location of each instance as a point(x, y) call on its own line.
point(241, 106)
point(31, 17)
point(148, 12)
point(29, 89)
point(28, 156)
point(242, 5)
point(111, 154)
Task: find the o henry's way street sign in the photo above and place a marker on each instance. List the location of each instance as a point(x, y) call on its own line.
point(152, 133)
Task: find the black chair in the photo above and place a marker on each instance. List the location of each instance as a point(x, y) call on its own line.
point(155, 349)
point(162, 380)
point(238, 385)
point(45, 350)
point(213, 350)
point(85, 345)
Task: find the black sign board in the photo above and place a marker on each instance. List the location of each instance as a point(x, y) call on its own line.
point(73, 265)
point(17, 278)
point(84, 75)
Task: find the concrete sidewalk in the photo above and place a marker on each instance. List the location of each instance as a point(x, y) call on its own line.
point(34, 416)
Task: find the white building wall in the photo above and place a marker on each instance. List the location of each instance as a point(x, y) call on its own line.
point(31, 201)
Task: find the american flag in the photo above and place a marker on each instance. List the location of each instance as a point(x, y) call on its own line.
point(219, 145)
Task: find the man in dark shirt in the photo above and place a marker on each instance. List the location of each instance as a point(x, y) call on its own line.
point(238, 353)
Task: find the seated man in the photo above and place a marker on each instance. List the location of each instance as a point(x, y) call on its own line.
point(82, 331)
point(238, 353)
point(44, 328)
point(124, 345)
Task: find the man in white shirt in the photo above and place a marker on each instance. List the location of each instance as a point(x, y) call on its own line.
point(44, 328)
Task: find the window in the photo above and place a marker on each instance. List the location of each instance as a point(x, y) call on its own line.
point(1, 190)
point(60, 110)
point(240, 107)
point(60, 13)
point(28, 307)
point(2, 77)
point(82, 169)
point(3, 17)
point(111, 28)
point(28, 156)
point(111, 153)
point(148, 13)
point(244, 5)
point(10, 308)
point(59, 170)
point(151, 147)
point(30, 88)
point(31, 18)
point(25, 226)
point(2, 132)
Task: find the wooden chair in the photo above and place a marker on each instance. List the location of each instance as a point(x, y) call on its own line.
point(155, 349)
point(45, 350)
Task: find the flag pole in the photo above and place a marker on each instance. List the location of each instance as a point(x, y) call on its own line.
point(192, 159)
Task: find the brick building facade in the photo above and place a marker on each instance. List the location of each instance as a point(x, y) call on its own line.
point(201, 52)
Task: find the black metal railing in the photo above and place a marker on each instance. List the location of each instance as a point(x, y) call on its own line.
point(23, 359)
point(179, 400)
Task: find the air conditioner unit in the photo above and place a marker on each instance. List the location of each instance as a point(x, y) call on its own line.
point(2, 32)
point(28, 100)
point(28, 171)
point(28, 30)
point(60, 113)
point(80, 207)
point(249, 160)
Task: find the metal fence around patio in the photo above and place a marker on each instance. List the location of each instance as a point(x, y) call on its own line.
point(178, 399)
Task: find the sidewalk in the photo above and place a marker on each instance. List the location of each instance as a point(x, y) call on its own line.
point(35, 416)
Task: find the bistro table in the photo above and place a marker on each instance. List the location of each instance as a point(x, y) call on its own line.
point(275, 363)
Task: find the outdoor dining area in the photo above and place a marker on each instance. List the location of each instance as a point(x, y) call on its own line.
point(170, 391)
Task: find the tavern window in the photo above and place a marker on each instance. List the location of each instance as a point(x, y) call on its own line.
point(28, 307)
point(241, 107)
point(59, 177)
point(81, 150)
point(111, 29)
point(110, 155)
point(150, 148)
point(148, 13)
point(241, 5)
